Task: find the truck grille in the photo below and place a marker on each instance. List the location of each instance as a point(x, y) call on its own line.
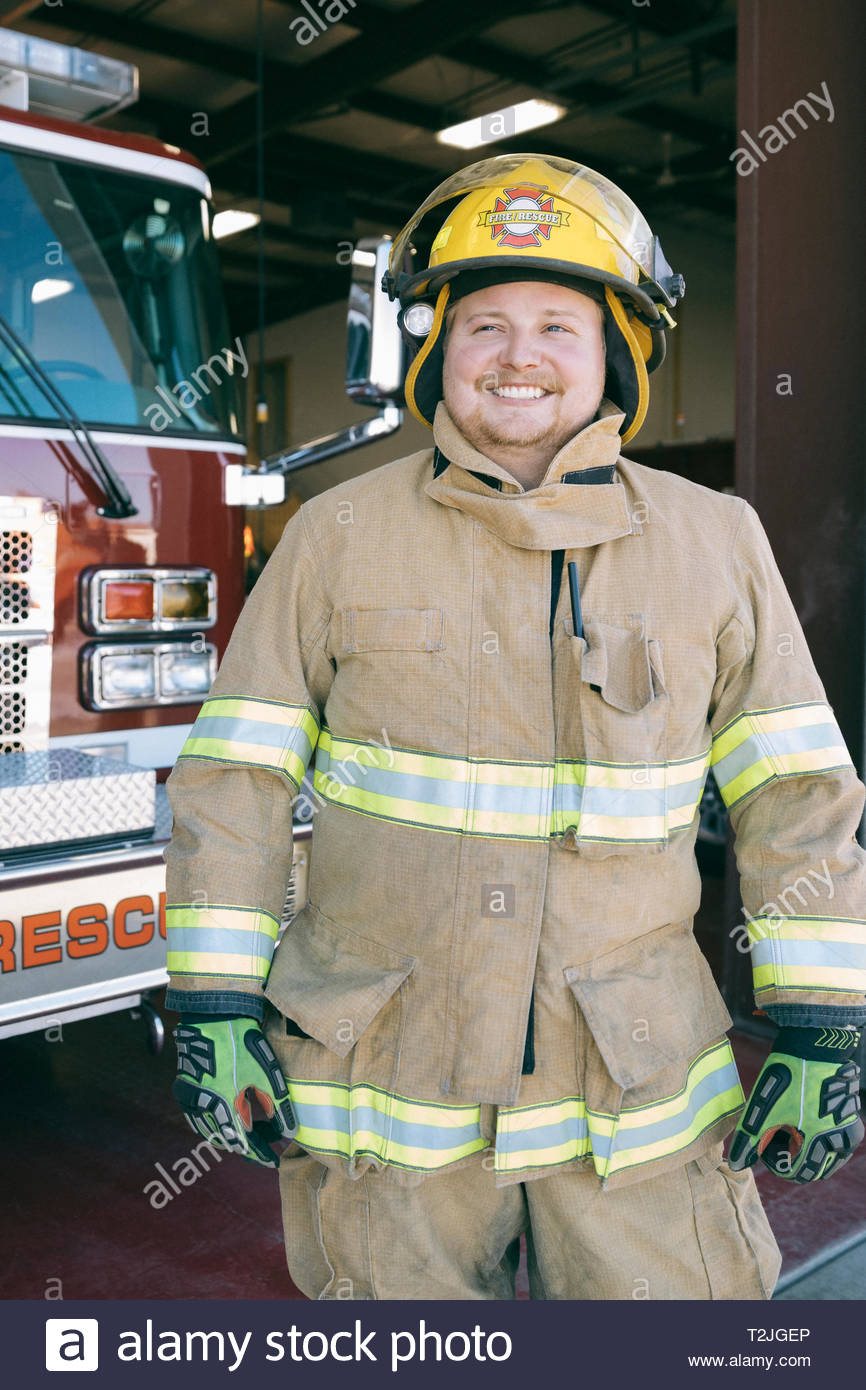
point(16, 552)
point(13, 675)
point(14, 604)
point(28, 549)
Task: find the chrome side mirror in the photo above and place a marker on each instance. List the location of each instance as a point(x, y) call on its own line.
point(375, 363)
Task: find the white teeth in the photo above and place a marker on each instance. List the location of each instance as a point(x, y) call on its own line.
point(520, 393)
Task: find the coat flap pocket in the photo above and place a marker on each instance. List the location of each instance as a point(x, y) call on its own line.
point(391, 629)
point(331, 981)
point(617, 660)
point(650, 1003)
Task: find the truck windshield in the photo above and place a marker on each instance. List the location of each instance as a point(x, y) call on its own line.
point(112, 281)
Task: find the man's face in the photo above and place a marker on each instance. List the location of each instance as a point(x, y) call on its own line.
point(524, 369)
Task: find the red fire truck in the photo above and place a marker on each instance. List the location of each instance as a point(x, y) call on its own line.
point(122, 493)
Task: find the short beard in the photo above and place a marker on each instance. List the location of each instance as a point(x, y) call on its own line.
point(483, 437)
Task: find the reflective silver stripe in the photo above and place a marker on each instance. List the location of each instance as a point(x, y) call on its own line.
point(559, 1132)
point(358, 1120)
point(254, 733)
point(790, 740)
point(808, 953)
point(462, 795)
point(624, 802)
point(823, 953)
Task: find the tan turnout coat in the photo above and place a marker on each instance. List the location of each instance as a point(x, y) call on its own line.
point(500, 816)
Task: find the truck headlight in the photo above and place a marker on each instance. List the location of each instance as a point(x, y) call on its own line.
point(184, 673)
point(153, 673)
point(127, 677)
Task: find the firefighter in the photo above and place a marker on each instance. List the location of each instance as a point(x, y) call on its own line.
point(511, 659)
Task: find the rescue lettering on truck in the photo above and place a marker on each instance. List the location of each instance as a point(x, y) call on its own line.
point(87, 929)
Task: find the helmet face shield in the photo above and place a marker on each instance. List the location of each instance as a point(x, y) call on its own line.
point(530, 210)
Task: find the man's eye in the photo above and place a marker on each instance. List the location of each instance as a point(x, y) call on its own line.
point(483, 327)
point(559, 326)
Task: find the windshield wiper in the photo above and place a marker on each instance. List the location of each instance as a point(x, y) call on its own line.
point(119, 504)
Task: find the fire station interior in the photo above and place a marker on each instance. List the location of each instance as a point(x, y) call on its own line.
point(758, 396)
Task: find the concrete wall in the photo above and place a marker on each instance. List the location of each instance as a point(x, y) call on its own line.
point(697, 379)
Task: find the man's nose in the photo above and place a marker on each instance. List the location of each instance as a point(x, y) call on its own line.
point(520, 350)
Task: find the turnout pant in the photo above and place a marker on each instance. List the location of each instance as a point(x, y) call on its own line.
point(694, 1232)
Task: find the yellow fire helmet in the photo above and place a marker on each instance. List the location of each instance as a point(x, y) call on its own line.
point(536, 217)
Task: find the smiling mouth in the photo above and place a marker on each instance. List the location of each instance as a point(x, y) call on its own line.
point(520, 393)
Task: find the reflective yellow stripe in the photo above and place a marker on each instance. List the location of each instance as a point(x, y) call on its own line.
point(622, 802)
point(644, 1133)
point(235, 967)
point(357, 1121)
point(255, 733)
point(219, 939)
point(808, 953)
point(760, 745)
point(542, 1136)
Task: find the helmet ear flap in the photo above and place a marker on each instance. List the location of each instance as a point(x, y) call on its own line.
point(651, 341)
point(627, 384)
point(423, 385)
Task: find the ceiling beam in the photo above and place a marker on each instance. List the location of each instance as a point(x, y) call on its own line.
point(670, 18)
point(716, 141)
point(598, 96)
point(384, 189)
point(119, 28)
point(317, 162)
point(375, 54)
point(116, 26)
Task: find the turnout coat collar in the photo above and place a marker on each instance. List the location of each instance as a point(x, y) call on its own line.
point(555, 515)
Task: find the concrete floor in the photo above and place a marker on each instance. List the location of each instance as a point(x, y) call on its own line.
point(839, 1277)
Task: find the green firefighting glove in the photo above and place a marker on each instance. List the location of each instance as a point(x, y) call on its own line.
point(803, 1116)
point(218, 1062)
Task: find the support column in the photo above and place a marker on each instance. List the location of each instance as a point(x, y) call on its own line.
point(801, 370)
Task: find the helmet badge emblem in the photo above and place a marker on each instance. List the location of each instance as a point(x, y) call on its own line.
point(521, 216)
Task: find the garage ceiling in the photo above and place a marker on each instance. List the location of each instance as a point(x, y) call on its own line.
point(350, 116)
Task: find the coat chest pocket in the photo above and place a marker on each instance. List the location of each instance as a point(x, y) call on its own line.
point(389, 666)
point(388, 630)
point(613, 748)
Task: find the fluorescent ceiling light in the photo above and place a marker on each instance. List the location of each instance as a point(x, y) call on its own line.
point(232, 221)
point(49, 289)
point(501, 125)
